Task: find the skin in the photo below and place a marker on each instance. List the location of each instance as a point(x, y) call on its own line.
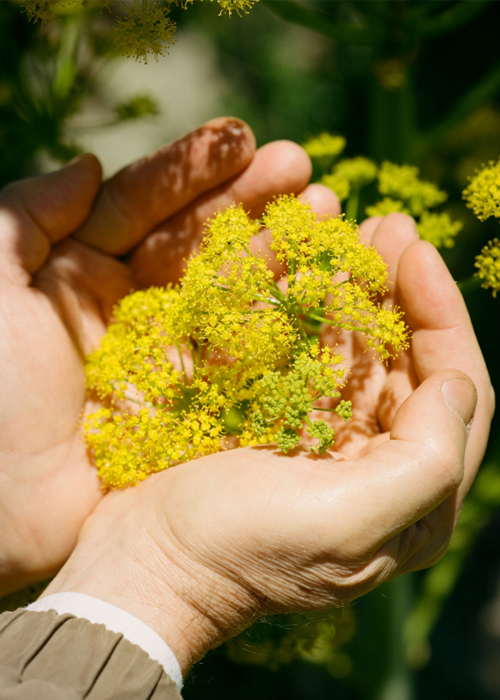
point(201, 550)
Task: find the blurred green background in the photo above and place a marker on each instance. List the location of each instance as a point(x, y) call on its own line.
point(410, 80)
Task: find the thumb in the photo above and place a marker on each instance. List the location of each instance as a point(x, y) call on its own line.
point(409, 475)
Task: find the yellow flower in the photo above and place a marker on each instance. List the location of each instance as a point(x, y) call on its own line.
point(386, 206)
point(402, 182)
point(483, 193)
point(488, 265)
point(438, 229)
point(338, 183)
point(357, 171)
point(176, 362)
point(324, 145)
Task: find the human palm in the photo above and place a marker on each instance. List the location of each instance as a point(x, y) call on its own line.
point(59, 279)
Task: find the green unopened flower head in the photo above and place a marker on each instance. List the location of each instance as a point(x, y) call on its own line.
point(488, 266)
point(483, 192)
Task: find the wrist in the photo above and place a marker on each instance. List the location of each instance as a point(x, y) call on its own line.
point(190, 608)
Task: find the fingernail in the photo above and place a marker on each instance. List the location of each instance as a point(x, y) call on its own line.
point(461, 397)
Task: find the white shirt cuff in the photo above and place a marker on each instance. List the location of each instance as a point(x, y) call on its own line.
point(115, 620)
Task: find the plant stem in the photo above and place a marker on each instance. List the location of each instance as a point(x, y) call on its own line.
point(351, 210)
point(392, 120)
point(66, 66)
point(470, 285)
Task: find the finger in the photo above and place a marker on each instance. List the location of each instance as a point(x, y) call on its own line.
point(37, 212)
point(142, 195)
point(322, 200)
point(443, 336)
point(368, 227)
point(393, 234)
point(398, 386)
point(281, 167)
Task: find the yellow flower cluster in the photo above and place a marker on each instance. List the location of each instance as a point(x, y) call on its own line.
point(324, 146)
point(229, 350)
point(386, 206)
point(483, 193)
point(350, 175)
point(400, 187)
point(438, 229)
point(357, 171)
point(338, 183)
point(402, 182)
point(488, 265)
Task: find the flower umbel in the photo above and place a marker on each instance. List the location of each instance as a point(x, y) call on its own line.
point(402, 182)
point(177, 362)
point(483, 193)
point(324, 145)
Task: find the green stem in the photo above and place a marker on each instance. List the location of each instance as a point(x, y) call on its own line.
point(470, 285)
point(392, 116)
point(276, 292)
point(351, 211)
point(379, 649)
point(66, 65)
point(332, 323)
point(182, 365)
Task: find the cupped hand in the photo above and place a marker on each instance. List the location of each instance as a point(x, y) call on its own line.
point(201, 550)
point(69, 249)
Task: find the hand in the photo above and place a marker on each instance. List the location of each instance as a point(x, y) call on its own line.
point(59, 279)
point(200, 550)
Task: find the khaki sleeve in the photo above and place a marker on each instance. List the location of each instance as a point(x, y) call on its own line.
point(46, 656)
